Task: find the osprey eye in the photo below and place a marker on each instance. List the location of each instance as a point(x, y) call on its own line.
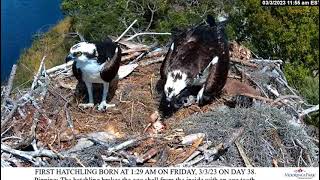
point(78, 54)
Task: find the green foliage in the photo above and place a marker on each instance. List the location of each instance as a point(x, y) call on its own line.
point(307, 85)
point(53, 44)
point(299, 77)
point(287, 33)
point(98, 18)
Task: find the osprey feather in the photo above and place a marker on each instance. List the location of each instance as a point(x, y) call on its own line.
point(198, 57)
point(95, 63)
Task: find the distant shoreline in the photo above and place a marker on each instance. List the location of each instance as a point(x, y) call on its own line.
point(21, 21)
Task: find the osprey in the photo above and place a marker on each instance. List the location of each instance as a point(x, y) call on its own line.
point(95, 63)
point(197, 61)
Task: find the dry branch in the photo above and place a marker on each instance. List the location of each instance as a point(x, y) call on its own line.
point(60, 67)
point(281, 98)
point(148, 155)
point(8, 87)
point(266, 61)
point(243, 154)
point(133, 50)
point(132, 45)
point(190, 151)
point(309, 110)
point(124, 145)
point(77, 34)
point(118, 39)
point(9, 116)
point(243, 62)
point(249, 77)
point(30, 155)
point(32, 135)
point(257, 97)
point(146, 33)
point(37, 76)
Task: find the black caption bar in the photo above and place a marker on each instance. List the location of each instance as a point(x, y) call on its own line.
point(290, 2)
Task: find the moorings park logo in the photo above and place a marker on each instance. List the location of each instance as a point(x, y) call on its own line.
point(300, 174)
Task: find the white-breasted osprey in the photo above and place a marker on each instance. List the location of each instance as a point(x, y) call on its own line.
point(197, 59)
point(95, 63)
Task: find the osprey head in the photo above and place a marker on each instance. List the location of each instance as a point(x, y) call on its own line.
point(176, 82)
point(82, 51)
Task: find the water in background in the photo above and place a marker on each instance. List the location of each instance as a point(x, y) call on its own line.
point(20, 20)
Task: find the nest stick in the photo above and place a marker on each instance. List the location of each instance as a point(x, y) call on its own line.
point(236, 60)
point(59, 67)
point(8, 88)
point(146, 33)
point(29, 155)
point(266, 61)
point(309, 110)
point(243, 154)
point(118, 39)
point(9, 116)
point(32, 135)
point(124, 145)
point(37, 76)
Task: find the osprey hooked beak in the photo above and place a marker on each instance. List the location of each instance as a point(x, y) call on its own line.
point(69, 58)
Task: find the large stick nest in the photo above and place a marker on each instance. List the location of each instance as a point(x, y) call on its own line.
point(257, 121)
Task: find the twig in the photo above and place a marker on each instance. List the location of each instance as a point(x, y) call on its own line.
point(192, 149)
point(118, 39)
point(37, 76)
point(281, 98)
point(68, 115)
point(153, 61)
point(293, 91)
point(115, 159)
point(257, 97)
point(125, 145)
point(304, 149)
point(153, 47)
point(146, 33)
point(133, 50)
point(275, 163)
point(10, 137)
point(78, 161)
point(192, 162)
point(195, 154)
point(130, 56)
point(60, 67)
point(32, 135)
point(4, 163)
point(235, 135)
point(148, 155)
point(8, 88)
point(153, 10)
point(77, 34)
point(243, 154)
point(272, 90)
point(309, 110)
point(9, 116)
point(266, 61)
point(249, 77)
point(236, 60)
point(29, 155)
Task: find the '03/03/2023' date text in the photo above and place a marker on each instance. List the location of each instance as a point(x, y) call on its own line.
point(289, 2)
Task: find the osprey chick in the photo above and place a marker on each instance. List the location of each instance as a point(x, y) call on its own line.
point(95, 63)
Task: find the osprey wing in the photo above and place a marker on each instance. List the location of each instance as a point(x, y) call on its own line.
point(111, 66)
point(166, 62)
